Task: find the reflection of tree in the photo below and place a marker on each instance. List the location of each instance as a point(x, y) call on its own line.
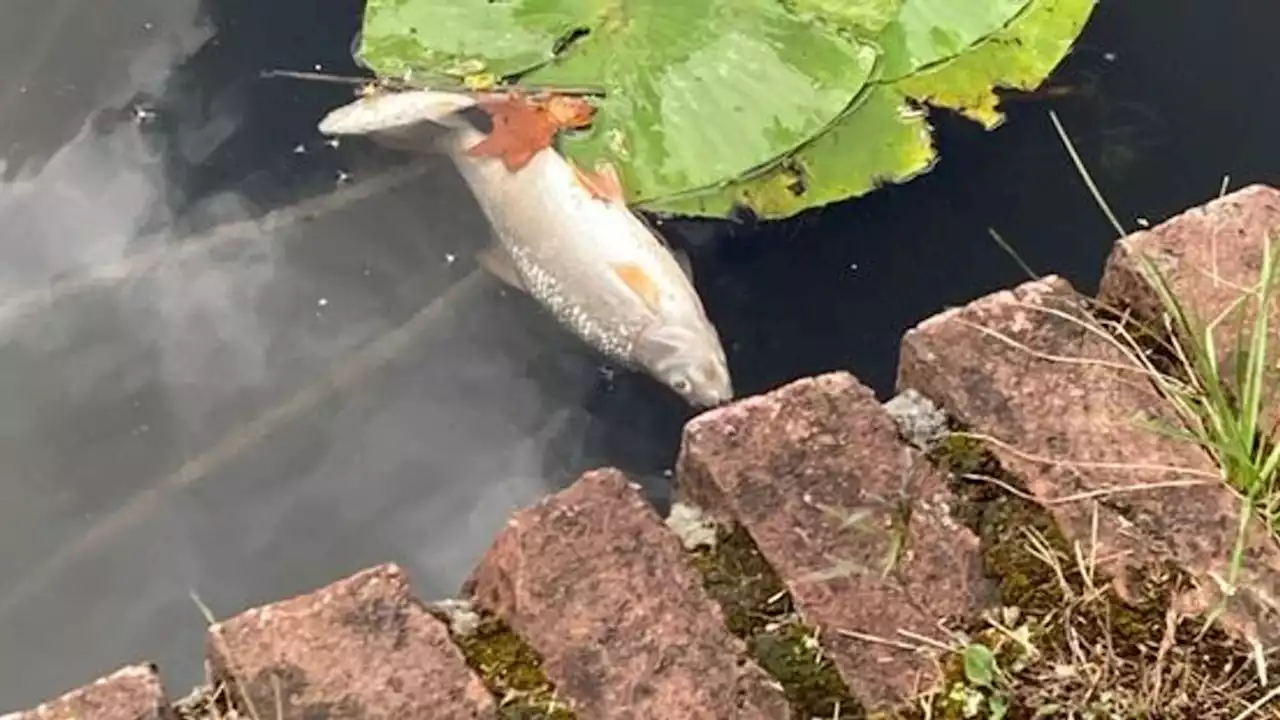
point(1127, 129)
point(269, 225)
point(1123, 130)
point(222, 126)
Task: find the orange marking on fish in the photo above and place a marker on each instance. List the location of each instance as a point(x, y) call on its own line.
point(603, 184)
point(640, 283)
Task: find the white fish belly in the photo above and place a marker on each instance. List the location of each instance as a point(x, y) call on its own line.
point(566, 246)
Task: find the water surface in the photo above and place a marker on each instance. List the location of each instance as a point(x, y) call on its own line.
point(285, 403)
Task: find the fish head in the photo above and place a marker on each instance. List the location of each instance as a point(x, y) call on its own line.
point(687, 357)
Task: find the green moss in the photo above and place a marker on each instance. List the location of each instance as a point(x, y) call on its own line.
point(758, 609)
point(959, 453)
point(512, 671)
point(1129, 633)
point(1025, 580)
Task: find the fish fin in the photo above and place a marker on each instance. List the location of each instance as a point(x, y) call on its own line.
point(498, 263)
point(641, 283)
point(391, 110)
point(682, 259)
point(603, 183)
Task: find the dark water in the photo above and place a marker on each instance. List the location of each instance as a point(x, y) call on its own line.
point(187, 430)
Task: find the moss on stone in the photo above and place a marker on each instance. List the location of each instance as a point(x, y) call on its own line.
point(512, 670)
point(1128, 634)
point(758, 609)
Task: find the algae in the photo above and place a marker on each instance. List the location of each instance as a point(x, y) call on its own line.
point(510, 668)
point(1081, 651)
point(759, 610)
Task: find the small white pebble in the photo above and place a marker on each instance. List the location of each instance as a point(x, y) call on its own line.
point(299, 148)
point(449, 258)
point(343, 176)
point(853, 266)
point(1109, 56)
point(331, 142)
point(694, 529)
point(322, 302)
point(1143, 222)
point(318, 67)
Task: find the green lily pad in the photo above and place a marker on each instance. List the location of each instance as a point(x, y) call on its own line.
point(882, 140)
point(844, 163)
point(779, 105)
point(438, 37)
point(927, 32)
point(1019, 57)
point(701, 91)
point(867, 16)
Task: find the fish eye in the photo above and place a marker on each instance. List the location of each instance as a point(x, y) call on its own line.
point(681, 385)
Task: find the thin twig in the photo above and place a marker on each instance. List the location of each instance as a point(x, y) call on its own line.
point(1048, 357)
point(395, 84)
point(924, 639)
point(1088, 179)
point(1124, 489)
point(1079, 464)
point(1004, 245)
point(877, 640)
point(1077, 497)
point(1261, 703)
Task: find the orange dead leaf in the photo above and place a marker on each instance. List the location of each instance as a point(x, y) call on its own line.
point(569, 112)
point(522, 128)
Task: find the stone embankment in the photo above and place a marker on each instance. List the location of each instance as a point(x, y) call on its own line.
point(823, 546)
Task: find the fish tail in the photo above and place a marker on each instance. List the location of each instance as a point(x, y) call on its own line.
point(397, 111)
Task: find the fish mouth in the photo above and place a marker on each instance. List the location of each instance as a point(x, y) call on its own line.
point(712, 399)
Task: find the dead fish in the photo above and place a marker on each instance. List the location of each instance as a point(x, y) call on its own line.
point(597, 267)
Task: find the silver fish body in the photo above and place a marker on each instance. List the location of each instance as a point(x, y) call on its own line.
point(600, 271)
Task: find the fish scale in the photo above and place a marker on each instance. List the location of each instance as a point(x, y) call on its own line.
point(614, 342)
point(569, 293)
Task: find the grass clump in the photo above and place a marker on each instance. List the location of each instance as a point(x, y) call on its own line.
point(509, 667)
point(1221, 395)
point(1061, 644)
point(759, 610)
